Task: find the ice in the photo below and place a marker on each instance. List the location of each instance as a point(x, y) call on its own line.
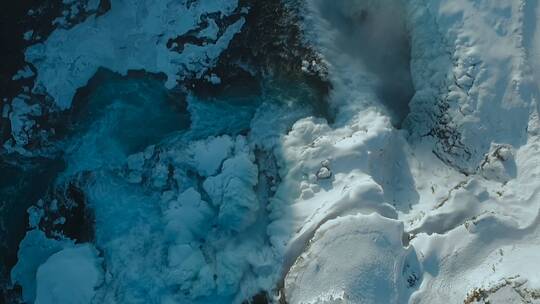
point(210, 154)
point(26, 72)
point(499, 81)
point(34, 250)
point(199, 231)
point(118, 41)
point(232, 191)
point(69, 276)
point(423, 189)
point(21, 121)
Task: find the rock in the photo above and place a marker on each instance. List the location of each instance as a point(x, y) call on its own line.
point(326, 163)
point(499, 164)
point(324, 173)
point(307, 194)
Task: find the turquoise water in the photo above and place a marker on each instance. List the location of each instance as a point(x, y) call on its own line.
point(122, 116)
point(116, 116)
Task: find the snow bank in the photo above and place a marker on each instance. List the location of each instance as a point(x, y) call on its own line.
point(303, 202)
point(69, 276)
point(34, 250)
point(56, 271)
point(354, 259)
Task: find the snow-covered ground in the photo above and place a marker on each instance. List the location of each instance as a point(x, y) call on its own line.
point(423, 189)
point(471, 213)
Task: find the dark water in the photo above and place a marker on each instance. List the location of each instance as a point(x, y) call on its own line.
point(22, 183)
point(135, 110)
point(114, 117)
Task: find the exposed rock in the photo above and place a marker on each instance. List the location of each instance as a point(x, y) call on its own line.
point(499, 164)
point(324, 173)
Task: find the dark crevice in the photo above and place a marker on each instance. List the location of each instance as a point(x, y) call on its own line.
point(260, 298)
point(68, 215)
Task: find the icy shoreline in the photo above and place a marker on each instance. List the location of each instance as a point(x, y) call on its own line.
point(258, 195)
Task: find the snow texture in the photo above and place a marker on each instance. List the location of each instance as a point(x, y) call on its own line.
point(34, 250)
point(354, 259)
point(69, 276)
point(423, 189)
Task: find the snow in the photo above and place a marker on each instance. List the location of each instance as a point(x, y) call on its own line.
point(69, 276)
point(214, 79)
point(119, 41)
point(353, 259)
point(34, 250)
point(425, 195)
point(198, 231)
point(232, 190)
point(458, 223)
point(323, 173)
point(26, 72)
point(20, 118)
point(28, 35)
point(210, 154)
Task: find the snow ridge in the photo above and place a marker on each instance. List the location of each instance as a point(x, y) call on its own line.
point(427, 199)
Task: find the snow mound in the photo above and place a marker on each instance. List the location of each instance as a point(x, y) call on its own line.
point(354, 259)
point(232, 190)
point(199, 223)
point(69, 276)
point(464, 84)
point(34, 250)
point(303, 201)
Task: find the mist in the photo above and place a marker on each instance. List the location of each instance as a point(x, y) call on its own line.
point(374, 33)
